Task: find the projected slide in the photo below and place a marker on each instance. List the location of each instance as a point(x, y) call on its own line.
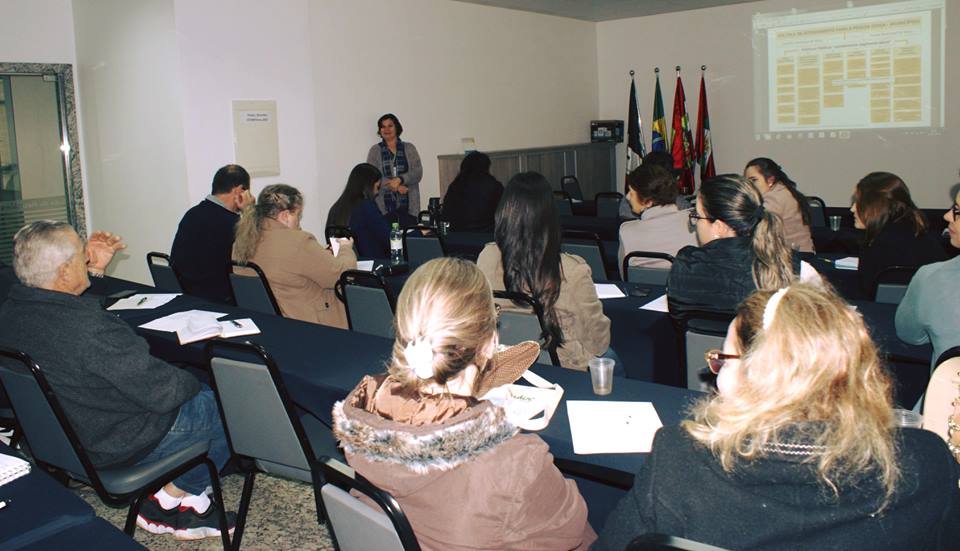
point(857, 68)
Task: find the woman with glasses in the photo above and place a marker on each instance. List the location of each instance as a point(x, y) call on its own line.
point(894, 229)
point(741, 249)
point(781, 196)
point(798, 449)
point(300, 270)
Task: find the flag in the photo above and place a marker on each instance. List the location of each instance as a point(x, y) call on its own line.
point(704, 146)
point(681, 141)
point(635, 146)
point(658, 131)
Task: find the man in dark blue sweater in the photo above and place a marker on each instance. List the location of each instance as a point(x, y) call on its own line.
point(201, 249)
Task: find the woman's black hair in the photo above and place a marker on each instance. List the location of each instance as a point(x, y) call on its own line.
point(770, 169)
point(527, 233)
point(396, 123)
point(474, 163)
point(359, 188)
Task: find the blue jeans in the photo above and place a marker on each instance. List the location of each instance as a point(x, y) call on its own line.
point(197, 421)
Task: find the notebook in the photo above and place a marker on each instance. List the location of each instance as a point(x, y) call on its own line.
point(12, 468)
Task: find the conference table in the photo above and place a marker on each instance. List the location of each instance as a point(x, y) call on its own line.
point(40, 513)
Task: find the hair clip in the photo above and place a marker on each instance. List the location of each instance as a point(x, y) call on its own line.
point(770, 310)
point(419, 356)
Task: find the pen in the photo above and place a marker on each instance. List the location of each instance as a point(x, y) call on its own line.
point(141, 301)
point(236, 323)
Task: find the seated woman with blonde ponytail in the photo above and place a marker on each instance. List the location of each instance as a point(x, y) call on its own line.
point(462, 472)
point(300, 270)
point(799, 449)
point(742, 249)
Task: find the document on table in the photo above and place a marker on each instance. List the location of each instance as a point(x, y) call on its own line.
point(658, 304)
point(143, 301)
point(12, 468)
point(612, 427)
point(847, 263)
point(608, 290)
point(365, 265)
point(180, 320)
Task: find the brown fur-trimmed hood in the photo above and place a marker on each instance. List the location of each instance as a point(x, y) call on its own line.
point(422, 448)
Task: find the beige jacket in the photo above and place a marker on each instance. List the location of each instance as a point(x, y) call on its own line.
point(463, 475)
point(302, 273)
point(780, 201)
point(586, 331)
point(661, 229)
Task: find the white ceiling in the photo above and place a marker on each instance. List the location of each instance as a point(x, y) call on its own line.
point(604, 10)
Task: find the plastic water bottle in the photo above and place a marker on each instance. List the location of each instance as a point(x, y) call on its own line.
point(396, 244)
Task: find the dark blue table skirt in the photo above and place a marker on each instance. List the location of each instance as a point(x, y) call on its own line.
point(94, 535)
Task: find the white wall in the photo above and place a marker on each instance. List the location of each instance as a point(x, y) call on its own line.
point(132, 124)
point(721, 38)
point(36, 31)
point(448, 70)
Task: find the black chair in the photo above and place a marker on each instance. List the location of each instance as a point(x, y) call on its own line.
point(608, 204)
point(818, 211)
point(355, 525)
point(587, 245)
point(422, 244)
point(698, 331)
point(663, 542)
point(516, 326)
point(646, 274)
point(571, 185)
point(563, 202)
point(891, 283)
point(369, 302)
point(338, 232)
point(262, 424)
point(251, 290)
point(54, 445)
point(164, 275)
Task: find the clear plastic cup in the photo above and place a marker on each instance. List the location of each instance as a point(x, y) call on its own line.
point(601, 375)
point(907, 419)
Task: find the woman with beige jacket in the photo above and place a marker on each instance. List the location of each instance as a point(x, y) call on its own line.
point(526, 258)
point(781, 197)
point(301, 271)
point(464, 475)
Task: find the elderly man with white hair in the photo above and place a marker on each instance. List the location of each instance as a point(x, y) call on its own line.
point(126, 406)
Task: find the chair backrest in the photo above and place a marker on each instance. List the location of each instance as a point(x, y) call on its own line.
point(608, 204)
point(698, 332)
point(369, 302)
point(251, 289)
point(51, 438)
point(422, 244)
point(663, 542)
point(818, 211)
point(586, 245)
point(648, 275)
point(563, 202)
point(942, 390)
point(163, 273)
point(571, 185)
point(355, 525)
point(892, 282)
point(340, 232)
point(260, 419)
point(516, 326)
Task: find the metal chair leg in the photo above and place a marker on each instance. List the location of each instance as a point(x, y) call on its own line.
point(218, 496)
point(130, 526)
point(245, 497)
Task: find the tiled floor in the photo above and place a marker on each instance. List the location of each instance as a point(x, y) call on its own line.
point(282, 516)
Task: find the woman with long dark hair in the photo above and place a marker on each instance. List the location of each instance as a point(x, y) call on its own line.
point(356, 208)
point(781, 197)
point(473, 196)
point(894, 229)
point(526, 258)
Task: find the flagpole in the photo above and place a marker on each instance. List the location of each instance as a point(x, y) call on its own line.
point(628, 140)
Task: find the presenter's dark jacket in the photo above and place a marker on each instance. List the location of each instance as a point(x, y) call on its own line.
point(896, 245)
point(776, 502)
point(120, 400)
point(201, 250)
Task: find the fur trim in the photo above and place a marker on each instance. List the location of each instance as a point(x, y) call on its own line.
point(443, 449)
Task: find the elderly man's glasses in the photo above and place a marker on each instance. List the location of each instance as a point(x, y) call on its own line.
point(716, 359)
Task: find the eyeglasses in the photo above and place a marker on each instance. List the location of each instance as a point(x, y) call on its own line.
point(955, 211)
point(716, 359)
point(694, 217)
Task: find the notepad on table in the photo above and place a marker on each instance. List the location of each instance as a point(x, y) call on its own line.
point(143, 301)
point(12, 468)
point(177, 320)
point(847, 263)
point(365, 265)
point(608, 290)
point(658, 304)
point(199, 331)
point(612, 427)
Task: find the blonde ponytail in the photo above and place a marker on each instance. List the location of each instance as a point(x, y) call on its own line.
point(773, 259)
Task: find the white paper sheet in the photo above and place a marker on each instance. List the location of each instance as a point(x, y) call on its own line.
point(608, 290)
point(365, 265)
point(612, 427)
point(335, 246)
point(179, 320)
point(847, 263)
point(658, 304)
point(12, 468)
point(143, 301)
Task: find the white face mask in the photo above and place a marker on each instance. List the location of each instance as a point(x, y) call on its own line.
point(729, 374)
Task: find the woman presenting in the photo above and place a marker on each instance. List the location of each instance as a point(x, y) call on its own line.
point(399, 163)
